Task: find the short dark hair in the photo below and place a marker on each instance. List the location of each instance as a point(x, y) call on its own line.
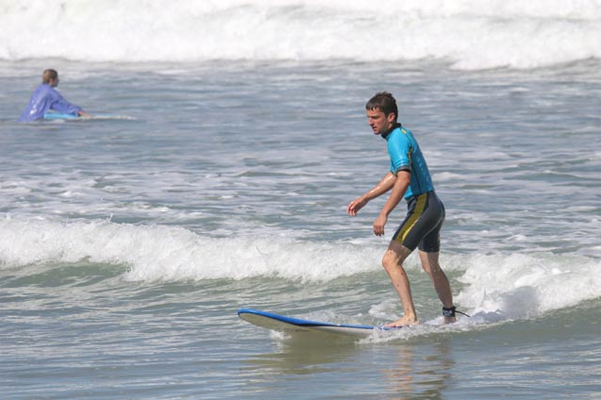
point(385, 102)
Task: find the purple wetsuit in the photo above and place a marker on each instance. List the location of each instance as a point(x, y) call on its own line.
point(46, 98)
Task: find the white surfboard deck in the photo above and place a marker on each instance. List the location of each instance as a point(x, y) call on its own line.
point(285, 324)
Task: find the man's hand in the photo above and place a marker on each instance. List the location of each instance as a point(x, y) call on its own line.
point(355, 205)
point(379, 224)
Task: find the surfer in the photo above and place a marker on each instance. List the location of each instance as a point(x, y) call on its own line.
point(407, 178)
point(46, 98)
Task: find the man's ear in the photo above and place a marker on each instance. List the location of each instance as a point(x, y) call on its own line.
point(391, 117)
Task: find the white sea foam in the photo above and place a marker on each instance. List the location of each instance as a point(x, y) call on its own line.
point(470, 34)
point(160, 253)
point(522, 286)
point(496, 287)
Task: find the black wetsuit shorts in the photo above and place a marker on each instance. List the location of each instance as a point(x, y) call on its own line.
point(421, 227)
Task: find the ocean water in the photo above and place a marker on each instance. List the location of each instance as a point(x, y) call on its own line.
point(127, 245)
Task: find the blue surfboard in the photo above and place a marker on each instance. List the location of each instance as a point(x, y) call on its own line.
point(285, 324)
point(53, 116)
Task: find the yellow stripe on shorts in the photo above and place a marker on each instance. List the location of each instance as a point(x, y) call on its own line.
point(419, 210)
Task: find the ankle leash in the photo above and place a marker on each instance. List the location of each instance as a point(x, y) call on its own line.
point(450, 312)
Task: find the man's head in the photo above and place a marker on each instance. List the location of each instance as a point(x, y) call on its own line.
point(382, 112)
point(50, 77)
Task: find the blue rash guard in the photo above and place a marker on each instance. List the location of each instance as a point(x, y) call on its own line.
point(46, 98)
point(405, 155)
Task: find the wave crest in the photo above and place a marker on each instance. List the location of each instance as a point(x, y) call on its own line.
point(470, 35)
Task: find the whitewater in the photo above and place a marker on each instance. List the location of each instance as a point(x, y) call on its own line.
point(468, 34)
point(127, 245)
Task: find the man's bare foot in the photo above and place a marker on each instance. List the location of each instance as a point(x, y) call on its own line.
point(449, 320)
point(405, 321)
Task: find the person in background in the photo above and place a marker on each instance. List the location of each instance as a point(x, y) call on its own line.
point(46, 98)
point(410, 179)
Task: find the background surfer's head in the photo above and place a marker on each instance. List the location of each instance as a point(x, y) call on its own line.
point(50, 77)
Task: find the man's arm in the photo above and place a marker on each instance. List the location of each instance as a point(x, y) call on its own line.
point(60, 104)
point(401, 184)
point(385, 184)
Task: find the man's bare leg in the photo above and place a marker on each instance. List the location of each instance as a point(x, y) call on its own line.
point(439, 279)
point(393, 264)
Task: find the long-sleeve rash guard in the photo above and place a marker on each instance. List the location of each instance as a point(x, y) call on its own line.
point(46, 98)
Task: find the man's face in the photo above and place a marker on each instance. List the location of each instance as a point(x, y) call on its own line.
point(379, 122)
point(54, 82)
